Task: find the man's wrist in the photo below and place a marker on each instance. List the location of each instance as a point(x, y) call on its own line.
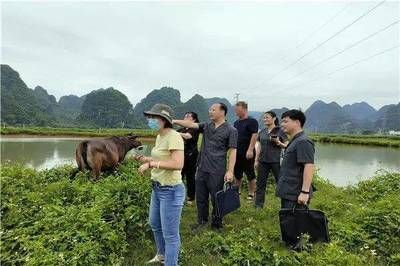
point(305, 192)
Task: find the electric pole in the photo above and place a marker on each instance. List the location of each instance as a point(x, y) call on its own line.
point(236, 97)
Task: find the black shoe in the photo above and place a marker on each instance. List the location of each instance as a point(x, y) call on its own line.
point(216, 228)
point(197, 227)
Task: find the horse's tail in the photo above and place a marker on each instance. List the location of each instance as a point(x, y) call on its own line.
point(81, 158)
point(84, 145)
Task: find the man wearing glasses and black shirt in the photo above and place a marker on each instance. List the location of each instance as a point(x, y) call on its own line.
point(295, 178)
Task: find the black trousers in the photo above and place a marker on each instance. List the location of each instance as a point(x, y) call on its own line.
point(207, 185)
point(189, 173)
point(263, 172)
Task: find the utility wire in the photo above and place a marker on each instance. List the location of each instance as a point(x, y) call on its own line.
point(321, 44)
point(347, 66)
point(345, 49)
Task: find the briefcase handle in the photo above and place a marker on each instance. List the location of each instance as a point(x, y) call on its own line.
point(227, 185)
point(294, 207)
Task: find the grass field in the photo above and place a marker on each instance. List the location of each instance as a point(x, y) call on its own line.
point(50, 219)
point(78, 132)
point(372, 140)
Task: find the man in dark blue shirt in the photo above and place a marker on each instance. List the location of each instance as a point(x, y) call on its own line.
point(247, 128)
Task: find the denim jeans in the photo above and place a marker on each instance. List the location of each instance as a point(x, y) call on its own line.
point(165, 216)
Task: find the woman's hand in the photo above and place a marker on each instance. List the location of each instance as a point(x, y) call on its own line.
point(142, 159)
point(143, 168)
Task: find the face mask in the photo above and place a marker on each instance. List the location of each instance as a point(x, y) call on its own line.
point(153, 124)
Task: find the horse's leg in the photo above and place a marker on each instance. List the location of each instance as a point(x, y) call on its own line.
point(95, 171)
point(94, 160)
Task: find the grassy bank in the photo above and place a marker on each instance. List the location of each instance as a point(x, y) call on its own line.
point(372, 140)
point(75, 132)
point(49, 219)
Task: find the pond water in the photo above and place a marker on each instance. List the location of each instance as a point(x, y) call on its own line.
point(340, 164)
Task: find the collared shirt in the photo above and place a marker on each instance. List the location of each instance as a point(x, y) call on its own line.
point(215, 144)
point(300, 151)
point(270, 152)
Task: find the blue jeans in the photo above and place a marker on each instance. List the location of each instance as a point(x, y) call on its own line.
point(165, 216)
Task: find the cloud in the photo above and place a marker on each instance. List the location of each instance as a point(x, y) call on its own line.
point(210, 48)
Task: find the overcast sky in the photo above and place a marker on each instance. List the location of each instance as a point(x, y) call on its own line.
point(209, 48)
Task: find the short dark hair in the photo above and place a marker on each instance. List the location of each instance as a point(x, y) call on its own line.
point(194, 116)
point(242, 104)
point(273, 115)
point(223, 107)
point(295, 115)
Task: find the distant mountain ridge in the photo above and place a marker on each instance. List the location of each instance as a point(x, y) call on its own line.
point(109, 107)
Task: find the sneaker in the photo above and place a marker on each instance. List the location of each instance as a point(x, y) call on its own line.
point(250, 197)
point(189, 202)
point(157, 259)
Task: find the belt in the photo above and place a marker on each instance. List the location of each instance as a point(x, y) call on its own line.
point(158, 184)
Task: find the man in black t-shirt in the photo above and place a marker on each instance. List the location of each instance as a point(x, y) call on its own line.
point(247, 128)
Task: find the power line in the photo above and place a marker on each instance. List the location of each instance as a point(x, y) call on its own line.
point(322, 43)
point(318, 29)
point(324, 25)
point(347, 66)
point(345, 49)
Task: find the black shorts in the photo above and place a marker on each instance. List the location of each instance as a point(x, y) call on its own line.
point(243, 165)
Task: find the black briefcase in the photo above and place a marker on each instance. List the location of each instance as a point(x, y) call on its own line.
point(227, 200)
point(295, 222)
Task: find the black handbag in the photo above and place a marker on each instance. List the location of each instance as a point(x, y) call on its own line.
point(295, 222)
point(227, 200)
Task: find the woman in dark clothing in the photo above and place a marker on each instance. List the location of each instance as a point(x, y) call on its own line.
point(270, 142)
point(190, 137)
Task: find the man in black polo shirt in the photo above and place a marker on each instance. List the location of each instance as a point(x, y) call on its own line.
point(219, 140)
point(295, 178)
point(247, 128)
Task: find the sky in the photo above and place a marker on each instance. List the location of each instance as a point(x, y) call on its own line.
point(273, 54)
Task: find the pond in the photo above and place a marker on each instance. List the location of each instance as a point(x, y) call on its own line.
point(341, 164)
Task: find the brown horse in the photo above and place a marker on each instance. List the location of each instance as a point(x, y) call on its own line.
point(103, 154)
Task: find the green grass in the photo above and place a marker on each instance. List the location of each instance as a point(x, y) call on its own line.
point(78, 132)
point(252, 236)
point(48, 218)
point(371, 140)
